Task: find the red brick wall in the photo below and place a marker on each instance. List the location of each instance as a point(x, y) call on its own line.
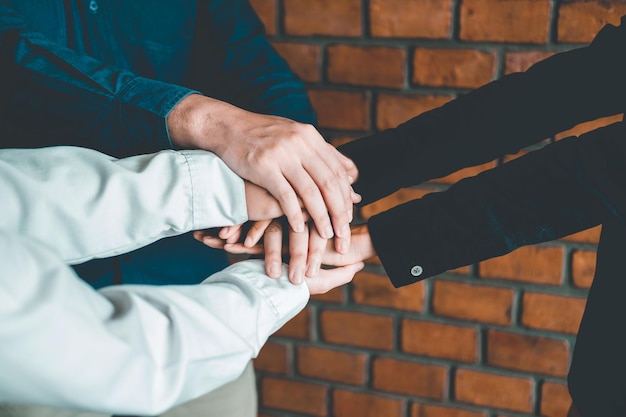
point(487, 340)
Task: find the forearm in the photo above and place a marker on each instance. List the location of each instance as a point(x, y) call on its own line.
point(59, 96)
point(502, 117)
point(86, 204)
point(165, 344)
point(564, 188)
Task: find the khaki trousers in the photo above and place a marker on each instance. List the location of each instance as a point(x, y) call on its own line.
point(235, 399)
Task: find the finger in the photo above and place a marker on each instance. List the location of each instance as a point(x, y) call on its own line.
point(345, 170)
point(298, 248)
point(329, 279)
point(199, 234)
point(240, 249)
point(350, 167)
point(317, 245)
point(312, 199)
point(282, 191)
point(273, 247)
point(227, 231)
point(235, 235)
point(212, 241)
point(256, 232)
point(335, 188)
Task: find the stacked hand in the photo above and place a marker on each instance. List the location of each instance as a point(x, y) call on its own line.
point(291, 171)
point(290, 160)
point(304, 248)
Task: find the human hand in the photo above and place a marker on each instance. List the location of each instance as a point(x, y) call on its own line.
point(305, 249)
point(261, 205)
point(230, 239)
point(287, 158)
point(328, 279)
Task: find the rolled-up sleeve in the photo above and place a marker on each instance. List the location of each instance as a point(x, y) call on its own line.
point(71, 98)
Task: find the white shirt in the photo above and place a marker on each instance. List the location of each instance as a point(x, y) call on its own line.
point(131, 349)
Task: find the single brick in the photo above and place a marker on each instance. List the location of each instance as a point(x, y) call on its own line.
point(303, 58)
point(463, 68)
point(535, 264)
point(555, 400)
point(299, 397)
point(376, 290)
point(583, 267)
point(322, 17)
point(266, 10)
point(298, 327)
point(274, 358)
point(552, 312)
point(350, 404)
point(521, 61)
point(491, 390)
point(427, 410)
point(580, 21)
point(409, 378)
point(431, 19)
point(394, 109)
point(582, 128)
point(332, 365)
point(342, 109)
point(399, 197)
point(515, 21)
point(366, 65)
point(528, 353)
point(472, 302)
point(437, 340)
point(357, 329)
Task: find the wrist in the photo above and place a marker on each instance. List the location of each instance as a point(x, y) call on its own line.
point(191, 121)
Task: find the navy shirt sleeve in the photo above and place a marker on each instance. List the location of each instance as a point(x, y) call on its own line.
point(251, 73)
point(52, 91)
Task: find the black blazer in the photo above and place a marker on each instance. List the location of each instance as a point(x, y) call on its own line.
point(563, 188)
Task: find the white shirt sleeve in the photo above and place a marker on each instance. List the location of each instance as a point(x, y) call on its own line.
point(126, 349)
point(130, 349)
point(85, 204)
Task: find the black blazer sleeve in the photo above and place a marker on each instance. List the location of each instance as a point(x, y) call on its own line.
point(501, 117)
point(563, 188)
point(567, 187)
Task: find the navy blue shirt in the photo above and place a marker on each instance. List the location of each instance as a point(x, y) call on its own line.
point(105, 73)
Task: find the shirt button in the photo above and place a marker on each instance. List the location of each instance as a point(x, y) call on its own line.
point(93, 6)
point(417, 270)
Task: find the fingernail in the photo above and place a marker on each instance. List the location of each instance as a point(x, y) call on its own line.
point(328, 232)
point(299, 228)
point(275, 269)
point(313, 269)
point(350, 179)
point(344, 231)
point(248, 242)
point(343, 246)
point(298, 276)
